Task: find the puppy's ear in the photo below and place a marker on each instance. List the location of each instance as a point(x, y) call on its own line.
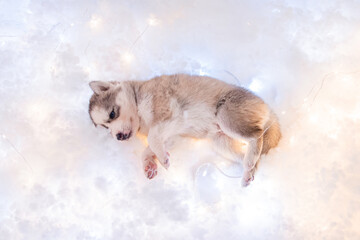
point(99, 86)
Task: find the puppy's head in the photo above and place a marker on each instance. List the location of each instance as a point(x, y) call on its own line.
point(113, 106)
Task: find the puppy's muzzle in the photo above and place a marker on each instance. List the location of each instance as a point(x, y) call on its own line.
point(123, 136)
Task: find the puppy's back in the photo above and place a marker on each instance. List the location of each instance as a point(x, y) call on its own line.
point(189, 89)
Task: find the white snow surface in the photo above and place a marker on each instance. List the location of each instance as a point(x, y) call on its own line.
point(62, 178)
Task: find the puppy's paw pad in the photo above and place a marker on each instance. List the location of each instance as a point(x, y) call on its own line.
point(150, 169)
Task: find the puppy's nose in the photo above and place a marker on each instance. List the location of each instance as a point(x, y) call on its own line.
point(123, 136)
point(120, 136)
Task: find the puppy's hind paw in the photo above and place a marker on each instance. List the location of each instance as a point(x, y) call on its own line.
point(166, 162)
point(247, 178)
point(150, 169)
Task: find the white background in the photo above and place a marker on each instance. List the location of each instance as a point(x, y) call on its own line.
point(62, 178)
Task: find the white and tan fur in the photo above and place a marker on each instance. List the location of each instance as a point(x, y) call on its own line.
point(170, 106)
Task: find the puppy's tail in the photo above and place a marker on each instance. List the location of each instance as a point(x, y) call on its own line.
point(272, 134)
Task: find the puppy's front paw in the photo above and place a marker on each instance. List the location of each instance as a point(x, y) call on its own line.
point(247, 178)
point(150, 169)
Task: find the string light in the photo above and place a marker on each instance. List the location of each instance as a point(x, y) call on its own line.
point(256, 85)
point(95, 22)
point(128, 57)
point(202, 72)
point(332, 136)
point(292, 140)
point(17, 151)
point(87, 69)
point(314, 118)
point(153, 21)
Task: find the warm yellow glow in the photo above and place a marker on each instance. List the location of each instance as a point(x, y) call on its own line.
point(153, 21)
point(240, 146)
point(332, 136)
point(292, 140)
point(196, 140)
point(127, 57)
point(143, 138)
point(87, 69)
point(202, 72)
point(95, 22)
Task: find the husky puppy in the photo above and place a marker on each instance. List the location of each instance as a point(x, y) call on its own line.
point(170, 106)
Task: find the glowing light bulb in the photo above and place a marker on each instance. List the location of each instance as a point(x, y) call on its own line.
point(256, 85)
point(128, 57)
point(332, 136)
point(153, 21)
point(202, 72)
point(95, 22)
point(87, 69)
point(292, 140)
point(314, 118)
